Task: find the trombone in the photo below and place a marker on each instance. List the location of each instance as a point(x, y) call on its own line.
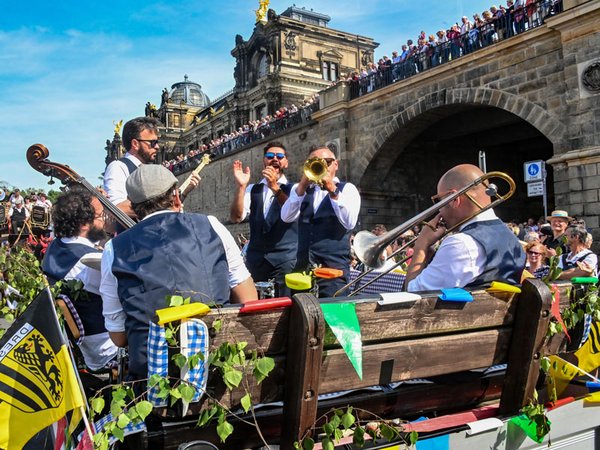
point(369, 248)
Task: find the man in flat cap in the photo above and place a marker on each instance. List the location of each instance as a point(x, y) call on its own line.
point(166, 253)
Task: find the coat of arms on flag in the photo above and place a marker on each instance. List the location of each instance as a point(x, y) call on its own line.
point(38, 385)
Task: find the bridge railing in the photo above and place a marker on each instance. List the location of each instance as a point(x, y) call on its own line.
point(250, 137)
point(512, 23)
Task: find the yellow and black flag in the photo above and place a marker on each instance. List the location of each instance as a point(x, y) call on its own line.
point(38, 384)
point(589, 353)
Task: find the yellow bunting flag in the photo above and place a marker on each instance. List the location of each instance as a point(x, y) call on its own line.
point(38, 384)
point(589, 353)
point(562, 372)
point(592, 399)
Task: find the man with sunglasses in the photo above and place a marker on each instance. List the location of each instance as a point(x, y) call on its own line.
point(326, 214)
point(140, 139)
point(271, 252)
point(483, 250)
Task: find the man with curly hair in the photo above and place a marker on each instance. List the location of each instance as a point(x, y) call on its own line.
point(78, 219)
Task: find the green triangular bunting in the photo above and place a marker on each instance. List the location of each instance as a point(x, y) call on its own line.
point(341, 318)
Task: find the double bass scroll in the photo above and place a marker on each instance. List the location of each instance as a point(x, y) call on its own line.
point(37, 157)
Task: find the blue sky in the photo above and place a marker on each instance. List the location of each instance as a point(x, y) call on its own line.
point(69, 69)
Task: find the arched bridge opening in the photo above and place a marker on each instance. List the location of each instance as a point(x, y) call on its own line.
point(403, 173)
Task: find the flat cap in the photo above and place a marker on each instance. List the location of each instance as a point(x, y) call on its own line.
point(149, 181)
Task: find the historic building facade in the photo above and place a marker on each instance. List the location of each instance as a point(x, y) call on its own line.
point(288, 58)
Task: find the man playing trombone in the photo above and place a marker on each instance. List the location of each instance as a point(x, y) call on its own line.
point(483, 250)
point(326, 211)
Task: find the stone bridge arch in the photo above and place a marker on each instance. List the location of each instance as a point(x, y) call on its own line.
point(417, 117)
point(394, 147)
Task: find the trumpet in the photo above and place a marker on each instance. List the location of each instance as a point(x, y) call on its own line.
point(315, 169)
point(369, 248)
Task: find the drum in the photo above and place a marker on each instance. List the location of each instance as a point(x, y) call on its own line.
point(40, 217)
point(265, 289)
point(3, 218)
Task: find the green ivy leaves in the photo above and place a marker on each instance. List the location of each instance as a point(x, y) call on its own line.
point(343, 423)
point(21, 270)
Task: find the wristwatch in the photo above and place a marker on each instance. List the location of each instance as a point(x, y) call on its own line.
point(335, 193)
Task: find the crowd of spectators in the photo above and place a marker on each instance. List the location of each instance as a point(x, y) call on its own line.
point(462, 38)
point(542, 238)
point(255, 130)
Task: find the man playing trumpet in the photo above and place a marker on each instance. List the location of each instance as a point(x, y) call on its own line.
point(326, 212)
point(483, 250)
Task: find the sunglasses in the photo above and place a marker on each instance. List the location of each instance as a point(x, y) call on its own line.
point(329, 161)
point(535, 253)
point(438, 197)
point(152, 142)
point(271, 155)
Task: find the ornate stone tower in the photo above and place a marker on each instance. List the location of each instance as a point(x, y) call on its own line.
point(290, 57)
point(177, 112)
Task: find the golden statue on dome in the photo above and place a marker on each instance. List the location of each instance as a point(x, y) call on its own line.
point(118, 126)
point(261, 12)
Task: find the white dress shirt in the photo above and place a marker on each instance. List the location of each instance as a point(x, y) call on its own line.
point(459, 260)
point(591, 259)
point(346, 206)
point(115, 176)
point(114, 316)
point(98, 349)
point(267, 196)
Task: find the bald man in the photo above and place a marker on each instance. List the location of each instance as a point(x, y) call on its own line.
point(483, 250)
point(326, 214)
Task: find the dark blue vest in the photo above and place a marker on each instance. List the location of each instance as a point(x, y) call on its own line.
point(505, 257)
point(60, 258)
point(566, 265)
point(164, 255)
point(270, 238)
point(19, 215)
point(322, 238)
point(131, 167)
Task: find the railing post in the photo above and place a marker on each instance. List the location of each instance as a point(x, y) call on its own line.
point(303, 368)
point(529, 332)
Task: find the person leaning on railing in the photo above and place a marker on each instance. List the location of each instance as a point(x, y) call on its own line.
point(579, 261)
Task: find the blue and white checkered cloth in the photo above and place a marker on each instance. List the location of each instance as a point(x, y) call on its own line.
point(131, 428)
point(76, 317)
point(390, 282)
point(587, 326)
point(193, 339)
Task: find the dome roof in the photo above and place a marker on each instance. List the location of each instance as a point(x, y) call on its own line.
point(189, 93)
